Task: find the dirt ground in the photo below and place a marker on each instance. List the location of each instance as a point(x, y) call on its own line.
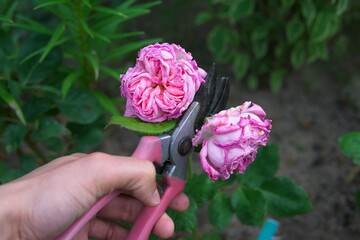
point(309, 116)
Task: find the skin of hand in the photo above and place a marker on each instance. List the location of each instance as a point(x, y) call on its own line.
point(43, 203)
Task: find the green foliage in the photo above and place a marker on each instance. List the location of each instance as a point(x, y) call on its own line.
point(55, 58)
point(267, 39)
point(350, 146)
point(250, 196)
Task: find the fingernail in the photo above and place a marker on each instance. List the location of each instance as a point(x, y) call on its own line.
point(156, 197)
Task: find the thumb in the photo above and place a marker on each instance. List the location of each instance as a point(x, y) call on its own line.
point(132, 176)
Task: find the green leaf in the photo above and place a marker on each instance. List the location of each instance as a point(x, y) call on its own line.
point(141, 127)
point(32, 70)
point(325, 25)
point(11, 174)
point(276, 79)
point(241, 65)
point(341, 7)
point(87, 3)
point(218, 40)
point(33, 26)
point(317, 51)
point(357, 199)
point(308, 10)
point(13, 136)
point(80, 106)
point(249, 205)
point(35, 107)
point(298, 55)
point(285, 198)
point(106, 103)
point(28, 163)
point(252, 82)
point(220, 211)
point(4, 18)
point(263, 168)
point(68, 82)
point(86, 142)
point(110, 72)
point(94, 62)
point(202, 17)
point(185, 221)
point(49, 3)
point(86, 28)
point(53, 40)
point(203, 194)
point(240, 9)
point(294, 29)
point(260, 48)
point(49, 128)
point(110, 11)
point(260, 31)
point(129, 47)
point(11, 101)
point(350, 146)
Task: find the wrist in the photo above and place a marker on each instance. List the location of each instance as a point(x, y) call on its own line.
point(8, 211)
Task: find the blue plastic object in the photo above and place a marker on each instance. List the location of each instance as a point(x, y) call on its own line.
point(268, 230)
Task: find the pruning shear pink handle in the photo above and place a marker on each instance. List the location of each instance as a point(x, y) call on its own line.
point(150, 149)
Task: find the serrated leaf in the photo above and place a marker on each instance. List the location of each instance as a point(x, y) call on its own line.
point(249, 205)
point(350, 146)
point(141, 127)
point(220, 211)
point(106, 103)
point(294, 29)
point(263, 168)
point(276, 79)
point(13, 104)
point(218, 40)
point(79, 106)
point(259, 32)
point(240, 9)
point(13, 136)
point(48, 128)
point(53, 40)
point(308, 10)
point(35, 107)
point(203, 194)
point(241, 65)
point(285, 198)
point(185, 221)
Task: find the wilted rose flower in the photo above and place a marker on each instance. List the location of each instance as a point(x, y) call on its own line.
point(230, 139)
point(162, 84)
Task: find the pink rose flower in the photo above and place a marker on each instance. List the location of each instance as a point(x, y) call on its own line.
point(162, 84)
point(230, 139)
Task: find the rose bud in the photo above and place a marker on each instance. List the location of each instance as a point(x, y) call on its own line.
point(230, 139)
point(162, 84)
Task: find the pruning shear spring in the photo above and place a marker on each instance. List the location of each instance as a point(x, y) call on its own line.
point(170, 155)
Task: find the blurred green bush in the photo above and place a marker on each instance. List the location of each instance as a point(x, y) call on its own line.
point(264, 40)
point(56, 62)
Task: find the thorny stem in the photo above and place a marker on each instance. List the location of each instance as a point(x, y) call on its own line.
point(41, 158)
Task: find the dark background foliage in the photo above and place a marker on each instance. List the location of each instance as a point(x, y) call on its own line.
point(59, 77)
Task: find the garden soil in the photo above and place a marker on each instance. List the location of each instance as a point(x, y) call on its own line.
point(309, 115)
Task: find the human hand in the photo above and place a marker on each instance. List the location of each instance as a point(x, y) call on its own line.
point(43, 203)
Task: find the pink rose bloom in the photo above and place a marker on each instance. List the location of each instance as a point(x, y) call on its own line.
point(162, 84)
point(230, 139)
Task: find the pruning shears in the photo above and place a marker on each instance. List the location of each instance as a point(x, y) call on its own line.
point(170, 154)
